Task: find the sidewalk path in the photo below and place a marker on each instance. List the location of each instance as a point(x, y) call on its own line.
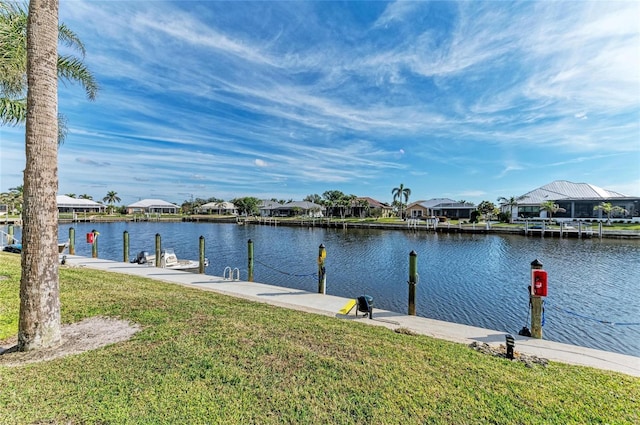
point(330, 305)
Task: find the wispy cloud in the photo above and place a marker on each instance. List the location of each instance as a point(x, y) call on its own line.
point(232, 99)
point(508, 169)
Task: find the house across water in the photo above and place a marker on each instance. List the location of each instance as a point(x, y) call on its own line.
point(440, 207)
point(576, 201)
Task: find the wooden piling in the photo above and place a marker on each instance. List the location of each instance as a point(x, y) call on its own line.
point(158, 249)
point(322, 276)
point(125, 246)
point(72, 241)
point(413, 281)
point(94, 245)
point(250, 260)
point(201, 257)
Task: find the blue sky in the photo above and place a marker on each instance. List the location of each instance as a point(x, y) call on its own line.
point(466, 100)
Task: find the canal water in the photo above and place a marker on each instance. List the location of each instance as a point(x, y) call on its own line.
point(479, 280)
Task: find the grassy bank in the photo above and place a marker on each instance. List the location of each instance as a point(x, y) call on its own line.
point(208, 358)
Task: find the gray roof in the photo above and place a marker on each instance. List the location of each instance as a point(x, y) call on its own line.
point(305, 205)
point(147, 203)
point(443, 203)
point(69, 202)
point(564, 190)
point(268, 205)
point(225, 205)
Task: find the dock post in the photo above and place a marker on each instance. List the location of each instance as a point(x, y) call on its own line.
point(413, 281)
point(125, 246)
point(322, 271)
point(9, 233)
point(580, 229)
point(600, 229)
point(94, 245)
point(536, 305)
point(561, 229)
point(158, 249)
point(250, 260)
point(72, 241)
point(201, 256)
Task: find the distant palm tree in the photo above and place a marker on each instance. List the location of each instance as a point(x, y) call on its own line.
point(364, 206)
point(15, 198)
point(71, 195)
point(399, 193)
point(12, 200)
point(551, 208)
point(111, 198)
point(352, 202)
point(85, 196)
point(608, 209)
point(315, 198)
point(511, 202)
point(18, 189)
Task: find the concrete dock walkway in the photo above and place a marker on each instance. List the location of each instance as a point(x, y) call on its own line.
point(330, 305)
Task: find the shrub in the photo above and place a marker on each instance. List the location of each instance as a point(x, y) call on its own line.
point(504, 217)
point(474, 217)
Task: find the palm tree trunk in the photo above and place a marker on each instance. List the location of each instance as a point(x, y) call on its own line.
point(39, 321)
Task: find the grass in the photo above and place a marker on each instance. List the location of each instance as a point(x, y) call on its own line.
point(207, 358)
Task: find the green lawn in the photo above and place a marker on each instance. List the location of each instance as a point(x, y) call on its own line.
point(208, 358)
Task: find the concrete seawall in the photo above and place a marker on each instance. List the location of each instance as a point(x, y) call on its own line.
point(330, 305)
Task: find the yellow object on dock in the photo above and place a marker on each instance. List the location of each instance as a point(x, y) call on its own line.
point(348, 307)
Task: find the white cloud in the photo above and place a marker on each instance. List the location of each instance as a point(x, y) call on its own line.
point(508, 169)
point(220, 96)
point(396, 12)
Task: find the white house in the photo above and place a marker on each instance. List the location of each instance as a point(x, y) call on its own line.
point(577, 200)
point(67, 204)
point(226, 208)
point(442, 207)
point(152, 206)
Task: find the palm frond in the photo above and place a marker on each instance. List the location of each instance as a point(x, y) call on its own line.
point(62, 129)
point(13, 111)
point(13, 50)
point(70, 39)
point(72, 69)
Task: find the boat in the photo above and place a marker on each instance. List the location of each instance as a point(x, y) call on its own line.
point(169, 260)
point(62, 246)
point(16, 248)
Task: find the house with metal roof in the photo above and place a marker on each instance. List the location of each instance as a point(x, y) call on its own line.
point(152, 206)
point(576, 200)
point(267, 207)
point(67, 204)
point(440, 207)
point(294, 208)
point(220, 208)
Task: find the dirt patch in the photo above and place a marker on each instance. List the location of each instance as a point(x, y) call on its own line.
point(77, 338)
point(501, 351)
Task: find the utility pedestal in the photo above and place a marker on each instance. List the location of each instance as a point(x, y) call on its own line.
point(536, 305)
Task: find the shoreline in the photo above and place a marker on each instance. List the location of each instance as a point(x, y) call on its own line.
point(330, 305)
point(424, 227)
point(411, 226)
